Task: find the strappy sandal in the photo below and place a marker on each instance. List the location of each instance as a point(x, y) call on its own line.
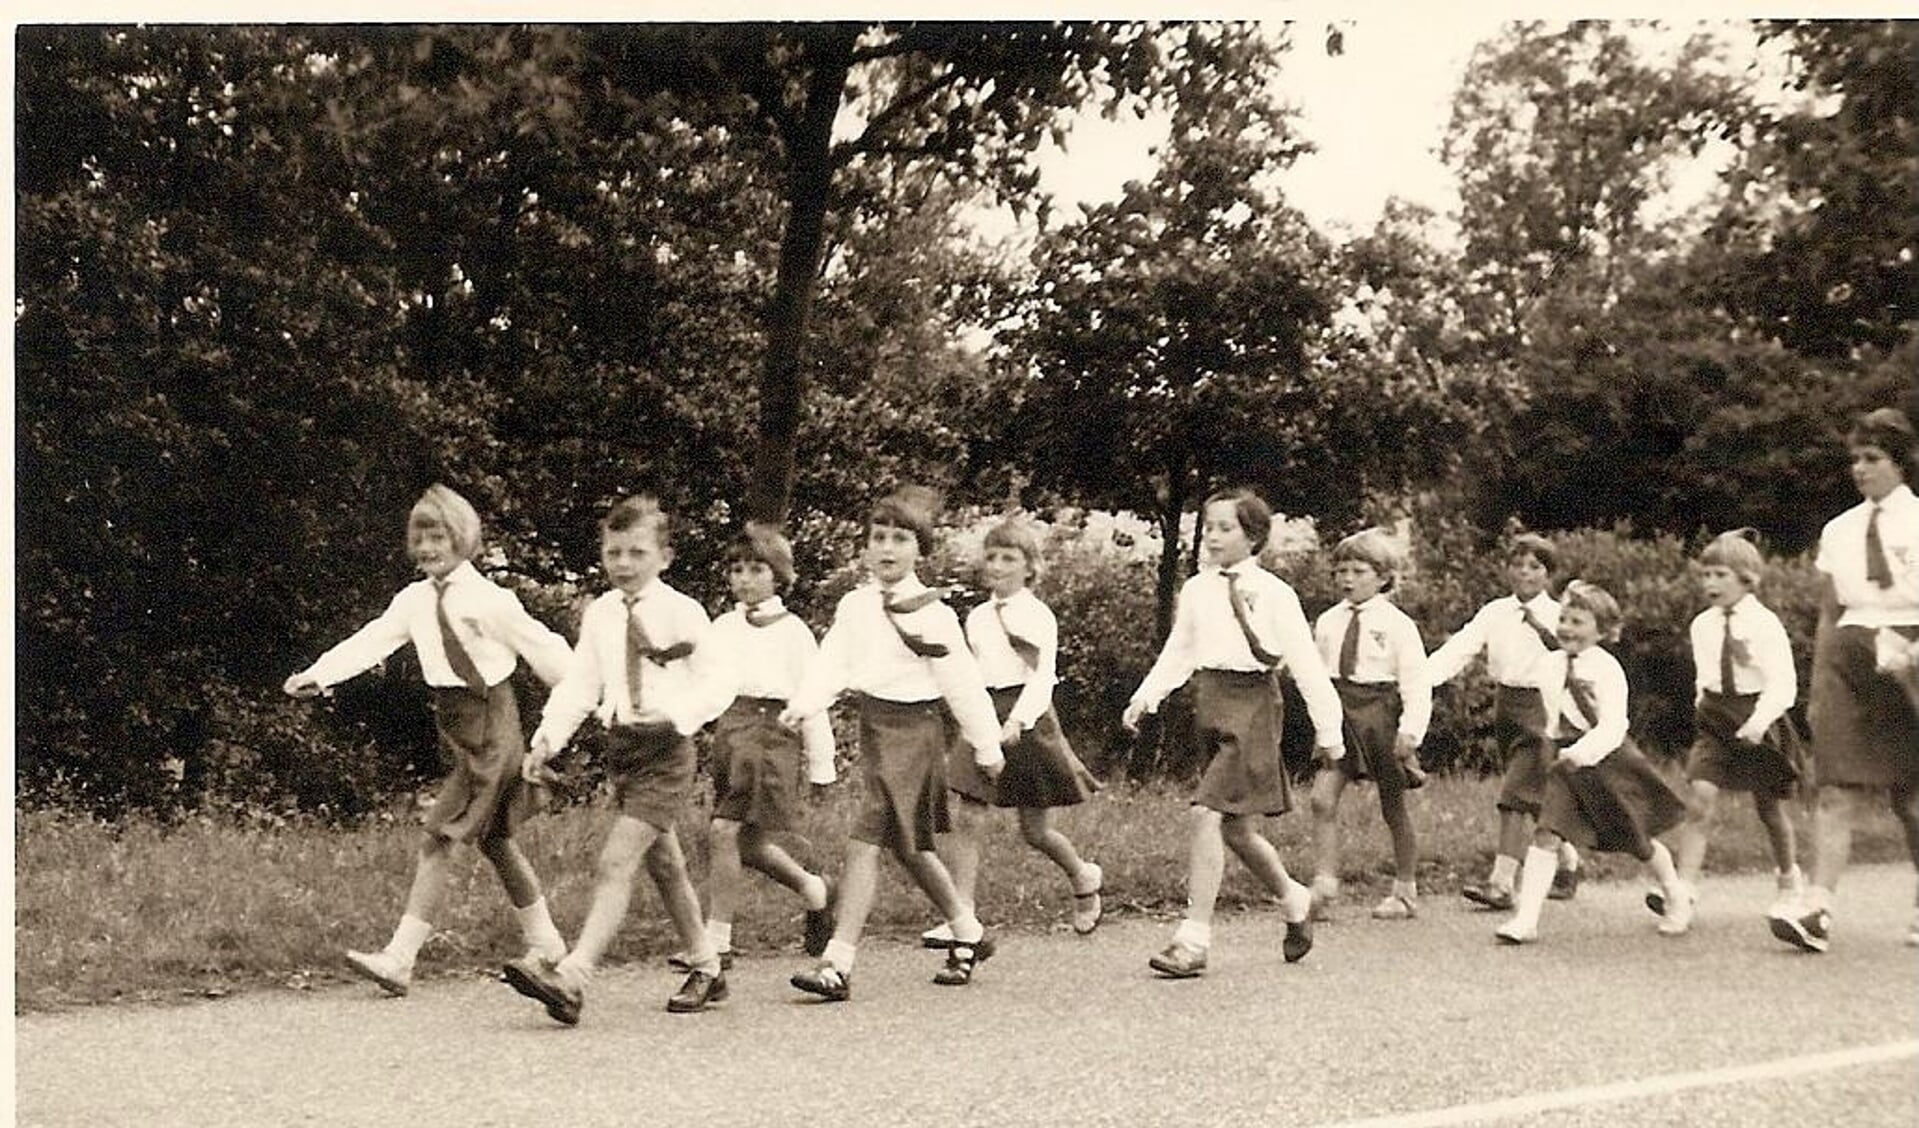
point(826, 981)
point(962, 960)
point(1088, 908)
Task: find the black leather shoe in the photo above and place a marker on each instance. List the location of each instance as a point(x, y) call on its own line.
point(697, 992)
point(962, 960)
point(535, 977)
point(1488, 896)
point(1299, 940)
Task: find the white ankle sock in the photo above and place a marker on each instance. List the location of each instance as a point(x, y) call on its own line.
point(407, 938)
point(719, 933)
point(1194, 934)
point(840, 954)
point(537, 929)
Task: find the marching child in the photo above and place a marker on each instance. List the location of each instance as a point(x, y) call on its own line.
point(762, 651)
point(1601, 791)
point(1015, 638)
point(643, 667)
point(1515, 632)
point(1743, 684)
point(1864, 703)
point(1379, 666)
point(1234, 625)
point(468, 633)
point(895, 644)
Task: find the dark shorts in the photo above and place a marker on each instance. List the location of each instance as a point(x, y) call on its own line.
point(1238, 716)
point(1041, 770)
point(756, 765)
point(484, 796)
point(1770, 768)
point(1863, 730)
point(1616, 806)
point(1519, 727)
point(1371, 725)
point(652, 773)
point(902, 764)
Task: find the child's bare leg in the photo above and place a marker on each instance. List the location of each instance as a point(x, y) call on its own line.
point(1328, 785)
point(1691, 834)
point(725, 874)
point(392, 966)
point(1515, 828)
point(759, 852)
point(859, 881)
point(1037, 829)
point(427, 894)
point(961, 847)
point(1205, 868)
point(930, 874)
point(1779, 832)
point(1834, 811)
point(666, 865)
point(1905, 808)
point(1399, 824)
point(1241, 834)
point(523, 890)
point(503, 853)
point(619, 861)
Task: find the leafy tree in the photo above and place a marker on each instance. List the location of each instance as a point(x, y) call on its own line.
point(1164, 337)
point(972, 100)
point(1822, 212)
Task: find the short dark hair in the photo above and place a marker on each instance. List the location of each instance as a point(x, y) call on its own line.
point(1248, 509)
point(762, 543)
point(640, 511)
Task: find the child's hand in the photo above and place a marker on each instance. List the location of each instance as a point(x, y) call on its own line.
point(533, 767)
point(1009, 734)
point(1135, 709)
point(303, 685)
point(991, 770)
point(791, 719)
point(1750, 733)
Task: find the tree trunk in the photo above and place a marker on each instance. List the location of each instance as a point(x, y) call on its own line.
point(1148, 750)
point(809, 187)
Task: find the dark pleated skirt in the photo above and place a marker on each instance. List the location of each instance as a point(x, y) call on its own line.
point(1771, 767)
point(903, 767)
point(756, 765)
point(1041, 769)
point(1239, 717)
point(1864, 733)
point(1616, 806)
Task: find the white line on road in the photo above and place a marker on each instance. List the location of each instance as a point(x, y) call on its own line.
point(1642, 1087)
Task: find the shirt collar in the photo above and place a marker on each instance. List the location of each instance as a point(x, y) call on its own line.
point(1538, 602)
point(1900, 494)
point(1242, 569)
point(647, 592)
point(908, 587)
point(463, 573)
point(771, 605)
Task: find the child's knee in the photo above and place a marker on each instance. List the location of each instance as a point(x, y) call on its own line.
point(1239, 831)
point(1325, 801)
point(1545, 839)
point(726, 834)
point(1035, 832)
point(496, 848)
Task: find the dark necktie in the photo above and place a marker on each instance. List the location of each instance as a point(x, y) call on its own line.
point(1027, 651)
point(640, 648)
point(1260, 653)
point(1546, 638)
point(456, 655)
point(907, 606)
point(1877, 570)
point(1725, 655)
point(1349, 646)
point(1583, 698)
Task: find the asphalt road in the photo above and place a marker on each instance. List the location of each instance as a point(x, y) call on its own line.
point(1421, 1022)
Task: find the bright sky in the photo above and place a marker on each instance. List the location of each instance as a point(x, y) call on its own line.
point(1376, 114)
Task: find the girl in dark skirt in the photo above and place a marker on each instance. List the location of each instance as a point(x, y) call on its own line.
point(901, 649)
point(1601, 792)
point(469, 634)
point(1865, 699)
point(1744, 683)
point(1015, 638)
point(1234, 626)
point(762, 651)
point(1379, 669)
